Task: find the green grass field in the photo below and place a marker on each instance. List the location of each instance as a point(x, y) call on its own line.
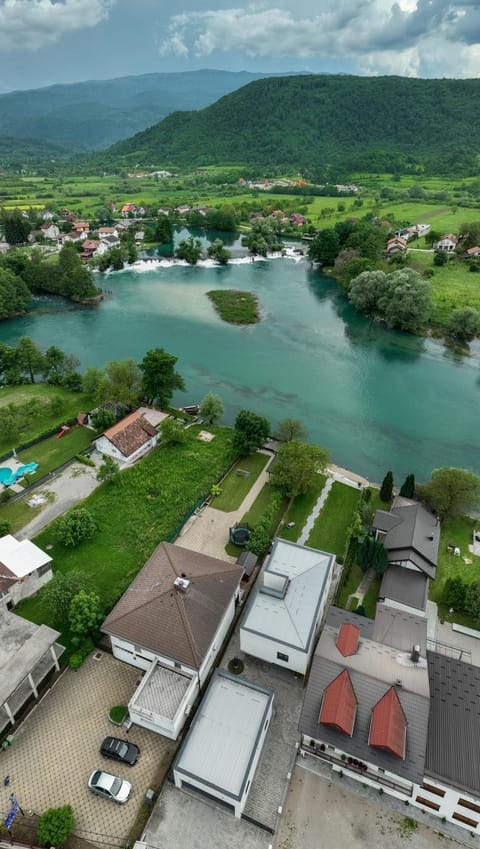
point(300, 510)
point(252, 516)
point(52, 453)
point(236, 486)
point(452, 286)
point(329, 531)
point(134, 512)
point(58, 405)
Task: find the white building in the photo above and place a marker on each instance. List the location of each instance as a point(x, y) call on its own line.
point(128, 439)
point(24, 568)
point(171, 623)
point(223, 746)
point(447, 243)
point(284, 614)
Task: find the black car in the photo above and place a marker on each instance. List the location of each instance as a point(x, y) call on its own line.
point(120, 750)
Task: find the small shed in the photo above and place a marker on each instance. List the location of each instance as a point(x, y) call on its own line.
point(247, 560)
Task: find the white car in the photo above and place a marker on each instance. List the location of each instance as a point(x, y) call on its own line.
point(109, 786)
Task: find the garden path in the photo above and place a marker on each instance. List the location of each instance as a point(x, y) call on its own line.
point(362, 588)
point(315, 512)
point(208, 531)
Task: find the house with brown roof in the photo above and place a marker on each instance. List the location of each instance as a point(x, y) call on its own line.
point(396, 245)
point(171, 623)
point(129, 439)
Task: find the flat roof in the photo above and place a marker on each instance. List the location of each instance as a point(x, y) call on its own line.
point(161, 691)
point(405, 586)
point(21, 557)
point(289, 615)
point(25, 657)
point(224, 736)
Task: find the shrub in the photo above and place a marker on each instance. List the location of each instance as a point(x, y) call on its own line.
point(4, 528)
point(82, 652)
point(55, 825)
point(118, 713)
point(76, 526)
point(83, 458)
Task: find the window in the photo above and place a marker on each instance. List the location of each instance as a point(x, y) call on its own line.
point(43, 569)
point(465, 820)
point(177, 665)
point(427, 803)
point(281, 656)
point(432, 789)
point(466, 804)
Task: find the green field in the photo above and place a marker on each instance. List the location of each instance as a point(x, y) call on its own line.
point(329, 531)
point(134, 512)
point(452, 286)
point(59, 406)
point(235, 306)
point(236, 485)
point(300, 510)
point(52, 452)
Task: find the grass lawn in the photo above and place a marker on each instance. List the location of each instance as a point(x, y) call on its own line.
point(452, 286)
point(328, 533)
point(370, 598)
point(375, 503)
point(52, 452)
point(235, 306)
point(134, 512)
point(252, 516)
point(350, 586)
point(57, 405)
point(456, 532)
point(235, 487)
point(19, 514)
point(300, 510)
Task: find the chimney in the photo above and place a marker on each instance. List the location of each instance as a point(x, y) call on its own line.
point(415, 655)
point(182, 585)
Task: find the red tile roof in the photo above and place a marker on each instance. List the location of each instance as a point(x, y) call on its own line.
point(131, 433)
point(339, 705)
point(347, 640)
point(388, 727)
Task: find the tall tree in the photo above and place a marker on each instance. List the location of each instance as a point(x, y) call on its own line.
point(122, 383)
point(16, 227)
point(386, 489)
point(190, 250)
point(211, 408)
point(325, 247)
point(296, 466)
point(463, 324)
point(160, 379)
point(407, 489)
point(251, 432)
point(84, 615)
point(29, 358)
point(290, 429)
point(451, 492)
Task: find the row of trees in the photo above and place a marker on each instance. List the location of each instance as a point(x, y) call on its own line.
point(401, 298)
point(154, 380)
point(25, 362)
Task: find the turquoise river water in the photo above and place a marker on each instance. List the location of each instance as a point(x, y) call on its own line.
point(377, 399)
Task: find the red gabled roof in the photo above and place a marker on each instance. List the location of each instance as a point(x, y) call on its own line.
point(339, 705)
point(347, 640)
point(388, 726)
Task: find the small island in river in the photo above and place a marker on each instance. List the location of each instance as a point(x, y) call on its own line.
point(235, 306)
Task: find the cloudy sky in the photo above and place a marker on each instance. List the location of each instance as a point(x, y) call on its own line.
point(48, 41)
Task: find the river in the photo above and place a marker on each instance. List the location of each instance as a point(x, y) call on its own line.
point(377, 399)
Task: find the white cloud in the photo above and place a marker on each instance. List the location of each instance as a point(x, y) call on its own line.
point(31, 24)
point(408, 37)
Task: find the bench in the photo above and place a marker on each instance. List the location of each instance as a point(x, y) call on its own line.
point(469, 632)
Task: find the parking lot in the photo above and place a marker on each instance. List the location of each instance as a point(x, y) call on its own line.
point(57, 748)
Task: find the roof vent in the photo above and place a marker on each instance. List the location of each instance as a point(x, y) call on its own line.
point(431, 537)
point(415, 655)
point(182, 585)
point(398, 682)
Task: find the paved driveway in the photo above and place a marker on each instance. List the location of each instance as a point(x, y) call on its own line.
point(57, 748)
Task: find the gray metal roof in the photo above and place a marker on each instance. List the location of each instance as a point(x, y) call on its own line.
point(453, 748)
point(368, 691)
point(405, 586)
point(336, 617)
point(284, 605)
point(400, 630)
point(248, 560)
point(415, 537)
point(225, 734)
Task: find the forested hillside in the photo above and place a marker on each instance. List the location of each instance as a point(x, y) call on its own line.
point(325, 123)
point(96, 113)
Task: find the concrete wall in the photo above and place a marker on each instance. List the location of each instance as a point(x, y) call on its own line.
point(217, 642)
point(26, 587)
point(265, 649)
point(142, 658)
point(161, 724)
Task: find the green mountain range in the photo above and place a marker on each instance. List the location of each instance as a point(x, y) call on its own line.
point(326, 124)
point(97, 113)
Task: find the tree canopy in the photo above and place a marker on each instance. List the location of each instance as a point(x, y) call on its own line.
point(296, 465)
point(451, 492)
point(402, 297)
point(211, 408)
point(159, 378)
point(251, 432)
